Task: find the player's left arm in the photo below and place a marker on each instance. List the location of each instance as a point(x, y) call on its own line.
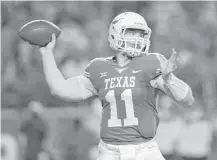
point(175, 88)
point(170, 84)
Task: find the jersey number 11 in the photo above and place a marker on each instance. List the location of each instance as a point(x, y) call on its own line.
point(130, 119)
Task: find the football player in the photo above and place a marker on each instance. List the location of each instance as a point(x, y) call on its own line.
point(127, 85)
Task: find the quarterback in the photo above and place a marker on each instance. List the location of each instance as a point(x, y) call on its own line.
point(127, 85)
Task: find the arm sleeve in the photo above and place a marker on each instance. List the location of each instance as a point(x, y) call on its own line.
point(174, 87)
point(178, 88)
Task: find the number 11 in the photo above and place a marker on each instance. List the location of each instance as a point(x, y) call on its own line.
point(130, 119)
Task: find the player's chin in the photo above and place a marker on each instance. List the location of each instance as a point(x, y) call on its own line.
point(133, 50)
point(134, 46)
point(138, 50)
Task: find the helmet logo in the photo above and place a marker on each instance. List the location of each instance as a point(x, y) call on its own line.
point(114, 22)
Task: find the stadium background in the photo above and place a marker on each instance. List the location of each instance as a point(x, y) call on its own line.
point(189, 27)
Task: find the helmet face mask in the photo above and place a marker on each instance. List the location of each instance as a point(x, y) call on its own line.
point(133, 42)
point(130, 34)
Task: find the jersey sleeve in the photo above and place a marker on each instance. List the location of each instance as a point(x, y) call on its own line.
point(158, 83)
point(156, 78)
point(86, 87)
point(155, 59)
point(90, 76)
point(156, 73)
point(87, 71)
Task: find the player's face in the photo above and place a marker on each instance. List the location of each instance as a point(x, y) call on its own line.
point(133, 37)
point(131, 32)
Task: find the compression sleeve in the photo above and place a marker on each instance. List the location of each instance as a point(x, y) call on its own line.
point(178, 88)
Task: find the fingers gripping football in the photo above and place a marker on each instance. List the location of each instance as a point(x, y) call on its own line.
point(50, 46)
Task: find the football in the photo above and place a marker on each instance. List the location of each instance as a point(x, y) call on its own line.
point(39, 32)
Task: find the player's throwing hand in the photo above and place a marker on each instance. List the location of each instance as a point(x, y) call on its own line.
point(50, 46)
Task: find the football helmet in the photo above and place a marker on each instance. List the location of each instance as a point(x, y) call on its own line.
point(130, 45)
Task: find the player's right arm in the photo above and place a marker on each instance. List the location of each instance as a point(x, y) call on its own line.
point(73, 89)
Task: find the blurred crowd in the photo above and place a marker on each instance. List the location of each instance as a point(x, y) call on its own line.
point(189, 27)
